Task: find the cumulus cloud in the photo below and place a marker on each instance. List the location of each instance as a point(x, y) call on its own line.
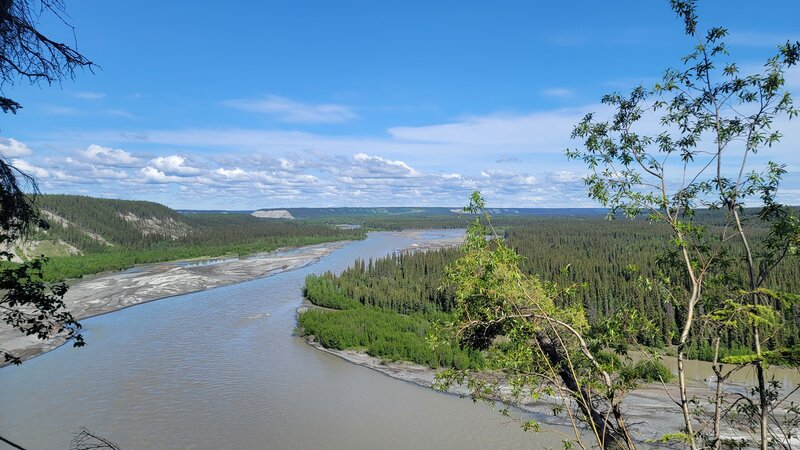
point(12, 148)
point(108, 174)
point(108, 156)
point(564, 176)
point(375, 166)
point(30, 169)
point(174, 165)
point(304, 180)
point(153, 175)
point(234, 174)
point(287, 110)
point(515, 160)
point(510, 178)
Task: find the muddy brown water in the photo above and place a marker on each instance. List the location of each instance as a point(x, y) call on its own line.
point(220, 369)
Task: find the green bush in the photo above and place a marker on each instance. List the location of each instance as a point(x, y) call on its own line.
point(386, 335)
point(647, 371)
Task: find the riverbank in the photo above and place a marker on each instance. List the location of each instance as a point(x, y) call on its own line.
point(110, 292)
point(650, 410)
point(645, 407)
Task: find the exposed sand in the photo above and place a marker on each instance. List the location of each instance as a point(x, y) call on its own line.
point(425, 245)
point(113, 291)
point(649, 410)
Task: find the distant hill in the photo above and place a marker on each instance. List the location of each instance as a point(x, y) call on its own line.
point(81, 225)
point(272, 214)
point(90, 235)
point(91, 224)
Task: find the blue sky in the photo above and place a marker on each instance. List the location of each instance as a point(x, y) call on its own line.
point(245, 105)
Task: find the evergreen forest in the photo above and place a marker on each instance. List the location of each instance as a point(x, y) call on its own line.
point(613, 265)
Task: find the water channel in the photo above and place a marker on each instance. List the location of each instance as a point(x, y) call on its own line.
point(220, 369)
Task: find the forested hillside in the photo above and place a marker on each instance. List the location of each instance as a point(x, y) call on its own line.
point(611, 260)
point(93, 224)
point(106, 234)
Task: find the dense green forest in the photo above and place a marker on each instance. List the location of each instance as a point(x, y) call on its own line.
point(90, 235)
point(117, 234)
point(389, 219)
point(607, 259)
point(377, 327)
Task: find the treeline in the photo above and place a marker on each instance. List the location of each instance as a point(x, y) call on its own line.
point(446, 219)
point(609, 260)
point(382, 329)
point(611, 257)
point(386, 335)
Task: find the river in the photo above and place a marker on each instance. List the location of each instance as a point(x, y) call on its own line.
point(220, 369)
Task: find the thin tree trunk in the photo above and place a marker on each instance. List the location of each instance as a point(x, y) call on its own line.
point(717, 443)
point(762, 393)
point(763, 402)
point(687, 326)
point(610, 437)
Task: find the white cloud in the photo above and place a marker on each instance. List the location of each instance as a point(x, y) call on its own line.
point(119, 113)
point(174, 165)
point(287, 110)
point(542, 132)
point(564, 176)
point(108, 156)
point(60, 175)
point(153, 175)
point(12, 148)
point(510, 178)
point(57, 110)
point(436, 164)
point(108, 174)
point(30, 169)
point(235, 174)
point(378, 167)
point(89, 95)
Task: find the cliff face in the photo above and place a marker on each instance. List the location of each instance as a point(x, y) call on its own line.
point(273, 214)
point(80, 224)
